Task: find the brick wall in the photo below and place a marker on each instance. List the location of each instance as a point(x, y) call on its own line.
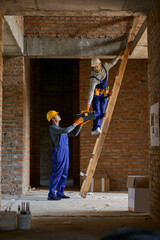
point(126, 148)
point(26, 124)
point(15, 127)
point(77, 27)
point(154, 97)
point(1, 80)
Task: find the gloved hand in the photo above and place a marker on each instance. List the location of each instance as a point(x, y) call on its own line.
point(78, 121)
point(88, 107)
point(81, 124)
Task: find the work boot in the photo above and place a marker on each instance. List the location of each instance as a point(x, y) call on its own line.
point(97, 131)
point(54, 198)
point(64, 196)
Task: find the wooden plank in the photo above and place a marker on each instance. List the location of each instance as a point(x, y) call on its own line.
point(133, 29)
point(109, 111)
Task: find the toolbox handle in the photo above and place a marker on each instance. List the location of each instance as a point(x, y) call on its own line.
point(85, 111)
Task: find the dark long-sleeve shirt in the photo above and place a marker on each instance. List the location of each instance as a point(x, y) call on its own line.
point(56, 131)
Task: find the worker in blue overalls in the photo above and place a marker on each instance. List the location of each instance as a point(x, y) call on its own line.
point(60, 154)
point(99, 90)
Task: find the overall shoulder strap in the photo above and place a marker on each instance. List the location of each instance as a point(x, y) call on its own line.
point(95, 78)
point(104, 68)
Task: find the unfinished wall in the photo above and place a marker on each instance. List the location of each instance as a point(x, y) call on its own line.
point(1, 81)
point(26, 124)
point(75, 37)
point(15, 144)
point(126, 148)
point(154, 97)
point(77, 27)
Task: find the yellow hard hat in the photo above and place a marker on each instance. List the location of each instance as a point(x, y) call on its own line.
point(51, 114)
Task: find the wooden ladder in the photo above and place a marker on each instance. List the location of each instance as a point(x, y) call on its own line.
point(108, 114)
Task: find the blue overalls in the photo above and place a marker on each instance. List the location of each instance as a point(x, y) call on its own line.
point(99, 102)
point(60, 165)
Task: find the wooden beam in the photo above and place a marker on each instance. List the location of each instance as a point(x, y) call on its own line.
point(108, 114)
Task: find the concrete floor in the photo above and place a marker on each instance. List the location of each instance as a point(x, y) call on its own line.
point(94, 204)
point(75, 218)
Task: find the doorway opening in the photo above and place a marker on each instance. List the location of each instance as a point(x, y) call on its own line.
point(54, 86)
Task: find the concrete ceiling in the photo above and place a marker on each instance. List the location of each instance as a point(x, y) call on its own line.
point(73, 7)
point(76, 8)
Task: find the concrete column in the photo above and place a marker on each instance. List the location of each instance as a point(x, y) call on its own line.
point(1, 79)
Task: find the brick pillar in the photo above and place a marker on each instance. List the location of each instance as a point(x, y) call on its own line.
point(16, 129)
point(154, 97)
point(1, 79)
point(26, 125)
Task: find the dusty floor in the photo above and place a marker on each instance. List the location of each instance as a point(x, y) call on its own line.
point(87, 218)
point(71, 228)
point(93, 205)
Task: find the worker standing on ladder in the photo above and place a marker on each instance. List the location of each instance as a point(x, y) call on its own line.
point(60, 154)
point(99, 90)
